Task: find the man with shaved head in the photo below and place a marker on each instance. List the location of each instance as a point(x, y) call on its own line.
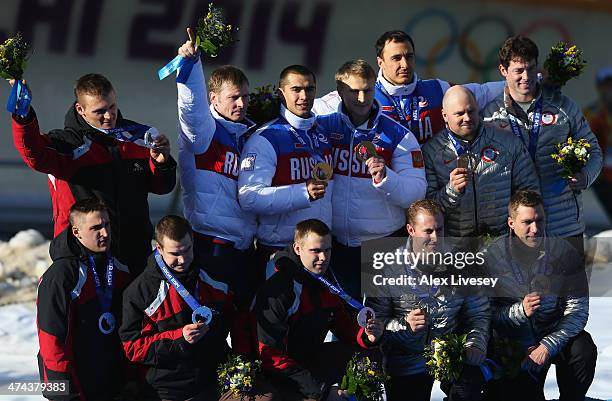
point(473, 168)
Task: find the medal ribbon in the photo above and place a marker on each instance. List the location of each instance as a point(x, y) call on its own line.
point(105, 296)
point(415, 109)
point(458, 148)
point(535, 128)
point(175, 64)
point(312, 148)
point(337, 290)
point(19, 99)
point(135, 133)
point(180, 288)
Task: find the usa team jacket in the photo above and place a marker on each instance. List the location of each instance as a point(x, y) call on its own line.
point(72, 347)
point(362, 209)
point(152, 331)
point(276, 162)
point(422, 97)
point(82, 162)
point(294, 313)
point(209, 154)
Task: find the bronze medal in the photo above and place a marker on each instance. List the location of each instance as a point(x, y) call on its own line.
point(322, 172)
point(365, 150)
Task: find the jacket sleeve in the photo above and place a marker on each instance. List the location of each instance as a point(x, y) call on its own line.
point(37, 150)
point(142, 342)
point(256, 193)
point(438, 189)
point(478, 316)
point(524, 175)
point(405, 181)
point(327, 104)
point(485, 93)
point(272, 330)
point(575, 316)
point(53, 316)
point(196, 123)
point(580, 129)
point(163, 176)
point(507, 313)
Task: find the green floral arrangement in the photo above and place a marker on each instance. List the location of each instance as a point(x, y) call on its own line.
point(363, 379)
point(445, 356)
point(212, 33)
point(564, 62)
point(237, 375)
point(264, 104)
point(13, 57)
point(572, 155)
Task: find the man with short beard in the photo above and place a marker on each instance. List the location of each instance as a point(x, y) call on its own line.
point(474, 195)
point(415, 103)
point(416, 314)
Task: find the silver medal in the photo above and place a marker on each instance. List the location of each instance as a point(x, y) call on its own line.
point(107, 323)
point(365, 314)
point(202, 315)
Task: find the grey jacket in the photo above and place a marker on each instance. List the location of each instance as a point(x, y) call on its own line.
point(500, 165)
point(561, 118)
point(559, 318)
point(448, 310)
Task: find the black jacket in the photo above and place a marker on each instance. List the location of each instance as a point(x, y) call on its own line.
point(152, 331)
point(68, 309)
point(294, 313)
point(82, 163)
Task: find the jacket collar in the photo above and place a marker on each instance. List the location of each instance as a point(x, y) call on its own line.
point(236, 128)
point(398, 90)
point(369, 124)
point(297, 122)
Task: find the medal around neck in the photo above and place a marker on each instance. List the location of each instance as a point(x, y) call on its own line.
point(365, 150)
point(203, 314)
point(107, 323)
point(366, 313)
point(322, 172)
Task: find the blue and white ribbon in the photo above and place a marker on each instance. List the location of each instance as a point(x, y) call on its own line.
point(19, 99)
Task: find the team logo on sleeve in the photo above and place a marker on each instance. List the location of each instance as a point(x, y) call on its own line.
point(548, 118)
point(417, 159)
point(489, 154)
point(248, 163)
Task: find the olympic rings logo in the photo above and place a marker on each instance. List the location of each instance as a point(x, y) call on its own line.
point(469, 50)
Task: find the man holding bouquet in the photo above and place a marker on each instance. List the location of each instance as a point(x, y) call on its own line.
point(211, 138)
point(542, 117)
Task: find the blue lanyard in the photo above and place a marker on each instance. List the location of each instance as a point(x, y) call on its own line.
point(313, 147)
point(104, 295)
point(535, 128)
point(458, 148)
point(130, 133)
point(182, 291)
point(421, 294)
point(415, 109)
point(337, 290)
point(543, 267)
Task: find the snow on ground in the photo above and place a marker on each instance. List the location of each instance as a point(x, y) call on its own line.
point(19, 345)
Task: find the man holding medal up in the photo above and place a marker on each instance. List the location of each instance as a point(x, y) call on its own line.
point(176, 320)
point(285, 173)
point(79, 308)
point(296, 307)
point(378, 171)
point(100, 154)
point(473, 168)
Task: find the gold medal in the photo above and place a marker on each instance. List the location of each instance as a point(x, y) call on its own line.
point(365, 150)
point(322, 172)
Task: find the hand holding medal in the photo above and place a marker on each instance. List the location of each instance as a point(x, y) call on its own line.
point(365, 150)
